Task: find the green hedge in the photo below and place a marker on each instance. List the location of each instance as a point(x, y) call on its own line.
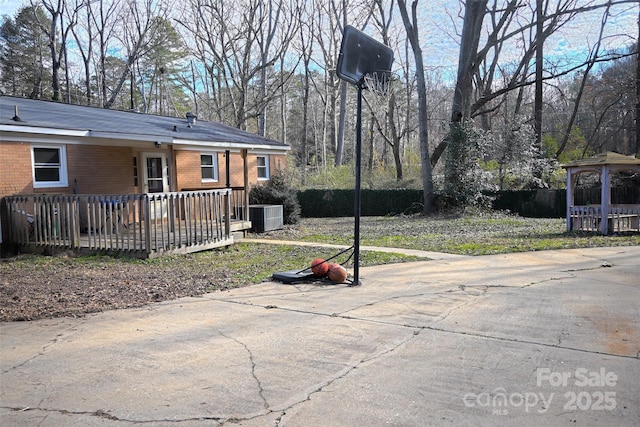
point(533, 203)
point(339, 203)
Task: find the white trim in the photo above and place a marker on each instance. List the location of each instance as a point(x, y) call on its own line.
point(267, 166)
point(215, 165)
point(260, 152)
point(130, 137)
point(64, 178)
point(41, 130)
point(228, 145)
point(61, 139)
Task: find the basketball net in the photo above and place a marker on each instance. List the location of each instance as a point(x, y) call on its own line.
point(379, 89)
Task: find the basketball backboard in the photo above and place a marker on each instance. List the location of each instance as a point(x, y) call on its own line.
point(361, 55)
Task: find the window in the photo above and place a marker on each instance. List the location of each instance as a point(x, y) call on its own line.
point(49, 166)
point(263, 167)
point(209, 167)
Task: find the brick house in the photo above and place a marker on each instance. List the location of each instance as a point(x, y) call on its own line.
point(54, 149)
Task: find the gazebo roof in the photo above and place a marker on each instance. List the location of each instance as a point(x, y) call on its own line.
point(602, 159)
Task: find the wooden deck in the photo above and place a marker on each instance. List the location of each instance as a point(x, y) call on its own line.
point(140, 225)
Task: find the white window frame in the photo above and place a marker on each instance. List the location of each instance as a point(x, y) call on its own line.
point(214, 165)
point(264, 167)
point(62, 166)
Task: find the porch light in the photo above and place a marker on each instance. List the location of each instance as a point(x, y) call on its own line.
point(191, 119)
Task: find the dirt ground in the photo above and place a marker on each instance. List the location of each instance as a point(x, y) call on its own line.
point(54, 287)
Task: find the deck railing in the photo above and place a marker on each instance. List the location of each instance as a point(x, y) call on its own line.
point(141, 224)
point(620, 218)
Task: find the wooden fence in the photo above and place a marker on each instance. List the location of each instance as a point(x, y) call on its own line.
point(142, 225)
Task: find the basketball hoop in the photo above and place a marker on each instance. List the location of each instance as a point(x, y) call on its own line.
point(365, 63)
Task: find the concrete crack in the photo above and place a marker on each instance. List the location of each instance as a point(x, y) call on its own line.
point(605, 264)
point(253, 368)
point(350, 369)
point(395, 298)
point(492, 337)
point(100, 413)
point(40, 353)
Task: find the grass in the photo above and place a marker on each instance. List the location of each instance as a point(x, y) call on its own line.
point(34, 287)
point(256, 262)
point(237, 265)
point(477, 233)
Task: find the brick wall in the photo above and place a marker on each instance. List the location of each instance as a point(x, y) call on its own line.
point(189, 174)
point(96, 169)
point(15, 169)
point(102, 169)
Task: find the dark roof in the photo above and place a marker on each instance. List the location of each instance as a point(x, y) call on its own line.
point(99, 122)
point(602, 159)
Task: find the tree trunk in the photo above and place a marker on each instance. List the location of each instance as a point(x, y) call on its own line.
point(411, 28)
point(343, 102)
point(638, 90)
point(472, 26)
point(456, 140)
point(539, 68)
point(395, 137)
point(341, 119)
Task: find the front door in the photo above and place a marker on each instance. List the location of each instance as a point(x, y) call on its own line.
point(156, 180)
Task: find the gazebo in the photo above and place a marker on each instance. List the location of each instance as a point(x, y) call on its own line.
point(606, 217)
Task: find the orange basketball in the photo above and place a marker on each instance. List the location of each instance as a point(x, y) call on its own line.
point(319, 267)
point(337, 273)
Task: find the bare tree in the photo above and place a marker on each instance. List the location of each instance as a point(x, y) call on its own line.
point(272, 24)
point(138, 29)
point(638, 88)
point(304, 45)
point(333, 16)
point(389, 126)
point(478, 64)
point(594, 56)
point(411, 26)
point(238, 46)
point(103, 20)
point(57, 46)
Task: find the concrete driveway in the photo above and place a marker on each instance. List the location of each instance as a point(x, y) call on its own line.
point(532, 339)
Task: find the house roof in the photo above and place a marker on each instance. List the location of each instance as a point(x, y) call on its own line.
point(48, 117)
point(602, 159)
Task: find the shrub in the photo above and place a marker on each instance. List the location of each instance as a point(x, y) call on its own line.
point(278, 191)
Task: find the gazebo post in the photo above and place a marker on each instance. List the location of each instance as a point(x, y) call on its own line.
point(605, 199)
point(569, 197)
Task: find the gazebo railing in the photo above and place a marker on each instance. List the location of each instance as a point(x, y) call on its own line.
point(620, 218)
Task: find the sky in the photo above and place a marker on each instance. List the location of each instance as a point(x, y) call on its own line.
point(438, 31)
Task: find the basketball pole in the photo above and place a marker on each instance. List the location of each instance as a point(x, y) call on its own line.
point(356, 207)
